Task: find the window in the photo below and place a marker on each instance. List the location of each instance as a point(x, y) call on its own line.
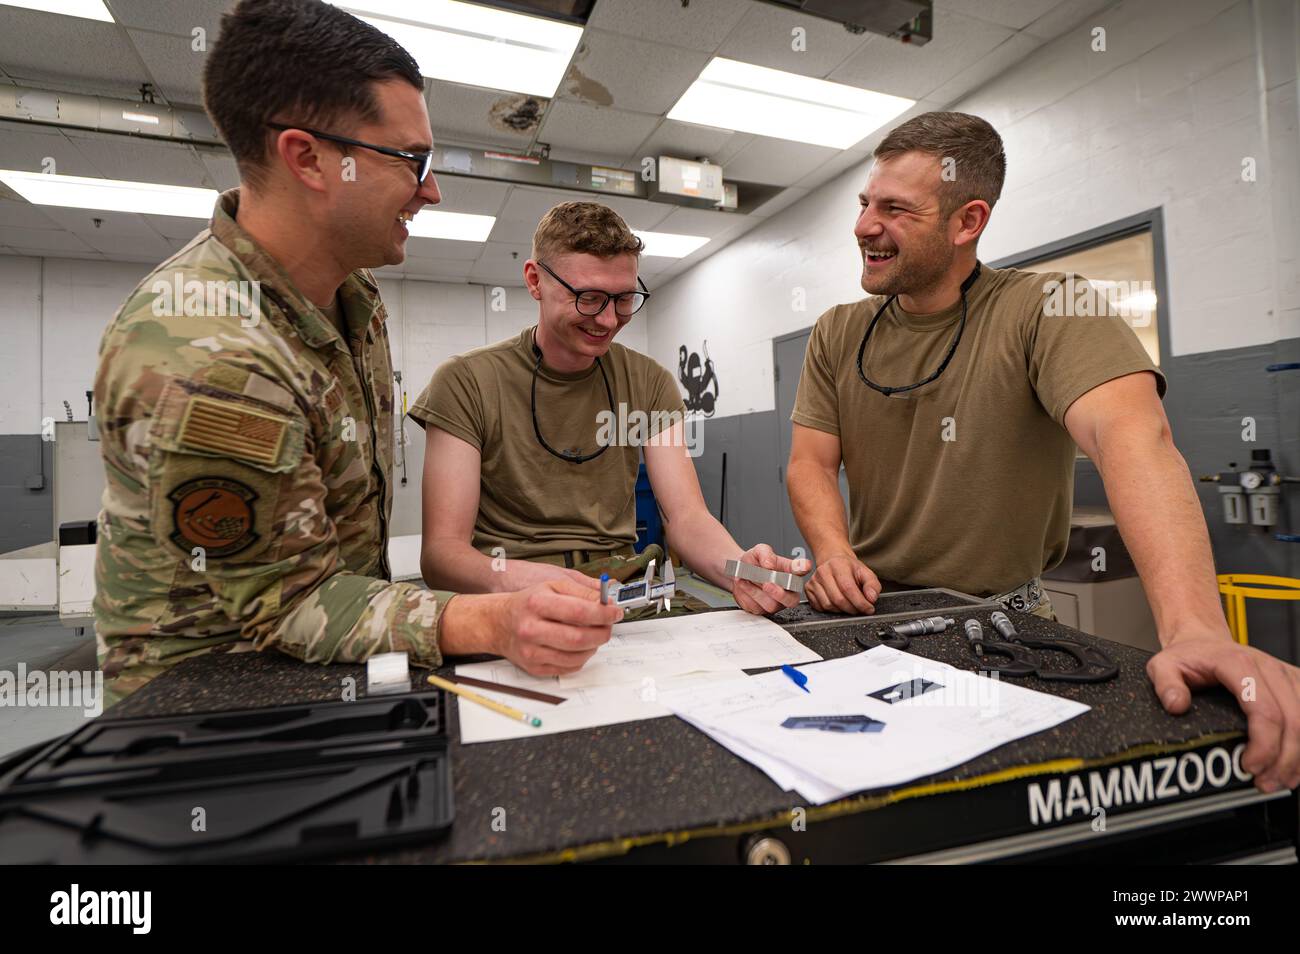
point(1124, 268)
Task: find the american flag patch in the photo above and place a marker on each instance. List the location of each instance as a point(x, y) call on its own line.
point(223, 428)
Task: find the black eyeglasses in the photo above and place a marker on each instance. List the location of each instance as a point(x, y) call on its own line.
point(590, 302)
point(423, 161)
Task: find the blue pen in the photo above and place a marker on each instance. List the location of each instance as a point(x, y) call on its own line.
point(604, 587)
point(798, 678)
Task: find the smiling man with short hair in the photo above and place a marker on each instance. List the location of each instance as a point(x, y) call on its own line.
point(955, 398)
point(528, 476)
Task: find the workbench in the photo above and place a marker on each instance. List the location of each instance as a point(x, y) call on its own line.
point(1125, 782)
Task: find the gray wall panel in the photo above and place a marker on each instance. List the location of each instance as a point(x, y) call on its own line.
point(26, 516)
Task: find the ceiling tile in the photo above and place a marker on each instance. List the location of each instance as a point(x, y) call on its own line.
point(26, 146)
point(178, 17)
point(526, 206)
point(733, 147)
point(499, 263)
point(637, 213)
point(1064, 16)
point(441, 270)
point(69, 51)
point(776, 161)
point(765, 37)
point(702, 25)
point(523, 210)
point(175, 227)
point(222, 172)
point(153, 249)
point(35, 241)
point(613, 70)
point(496, 275)
point(472, 115)
point(139, 160)
point(687, 141)
point(442, 249)
point(477, 196)
point(834, 166)
point(116, 225)
point(605, 131)
point(19, 213)
point(713, 223)
point(176, 68)
point(901, 69)
point(591, 158)
point(1016, 14)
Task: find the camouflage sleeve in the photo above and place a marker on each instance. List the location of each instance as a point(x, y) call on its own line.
point(235, 493)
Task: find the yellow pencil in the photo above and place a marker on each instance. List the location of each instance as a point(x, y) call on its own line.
point(485, 701)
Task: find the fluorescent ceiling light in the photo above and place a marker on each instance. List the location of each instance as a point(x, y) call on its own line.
point(754, 99)
point(670, 244)
point(478, 46)
point(89, 9)
point(457, 226)
point(110, 195)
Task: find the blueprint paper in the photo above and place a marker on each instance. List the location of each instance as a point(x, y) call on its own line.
point(935, 717)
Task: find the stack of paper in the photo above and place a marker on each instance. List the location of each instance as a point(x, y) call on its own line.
point(877, 719)
point(623, 681)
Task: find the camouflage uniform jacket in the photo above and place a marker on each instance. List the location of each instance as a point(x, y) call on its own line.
point(249, 470)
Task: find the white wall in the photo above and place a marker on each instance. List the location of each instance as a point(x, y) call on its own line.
point(54, 310)
point(1185, 90)
point(53, 313)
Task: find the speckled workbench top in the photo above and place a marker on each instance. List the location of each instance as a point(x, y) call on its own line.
point(599, 791)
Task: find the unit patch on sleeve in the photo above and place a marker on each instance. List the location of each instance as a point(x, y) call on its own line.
point(215, 513)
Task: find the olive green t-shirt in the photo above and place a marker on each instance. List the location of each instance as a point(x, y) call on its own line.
point(967, 482)
point(531, 502)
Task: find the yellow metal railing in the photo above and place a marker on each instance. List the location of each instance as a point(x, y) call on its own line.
point(1235, 596)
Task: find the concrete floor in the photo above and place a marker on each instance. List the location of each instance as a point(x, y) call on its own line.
point(41, 642)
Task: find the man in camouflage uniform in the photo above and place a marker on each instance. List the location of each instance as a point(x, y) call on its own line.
point(248, 461)
point(245, 390)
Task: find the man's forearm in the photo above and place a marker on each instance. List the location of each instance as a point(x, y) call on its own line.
point(818, 509)
point(1159, 516)
point(704, 544)
point(455, 565)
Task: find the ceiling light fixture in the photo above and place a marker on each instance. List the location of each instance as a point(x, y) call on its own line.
point(754, 99)
point(474, 45)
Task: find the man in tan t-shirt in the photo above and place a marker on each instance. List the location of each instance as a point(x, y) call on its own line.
point(955, 397)
point(534, 443)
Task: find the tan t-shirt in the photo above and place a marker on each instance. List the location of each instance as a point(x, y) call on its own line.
point(967, 482)
point(531, 502)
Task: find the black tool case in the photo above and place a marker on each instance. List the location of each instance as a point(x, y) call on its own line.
point(274, 784)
